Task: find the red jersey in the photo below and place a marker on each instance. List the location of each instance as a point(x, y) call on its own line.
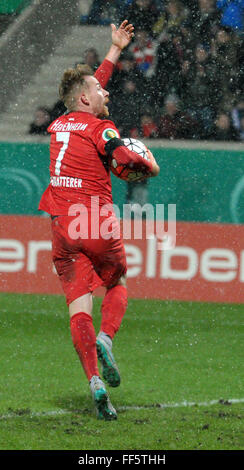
point(78, 166)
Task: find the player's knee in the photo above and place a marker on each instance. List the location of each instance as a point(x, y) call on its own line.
point(120, 273)
point(83, 304)
point(122, 281)
point(116, 276)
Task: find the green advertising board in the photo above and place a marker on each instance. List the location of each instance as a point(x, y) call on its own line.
point(205, 185)
point(10, 6)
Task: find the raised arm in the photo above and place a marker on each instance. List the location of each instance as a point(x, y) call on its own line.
point(121, 37)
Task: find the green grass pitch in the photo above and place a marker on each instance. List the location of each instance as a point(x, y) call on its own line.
point(186, 356)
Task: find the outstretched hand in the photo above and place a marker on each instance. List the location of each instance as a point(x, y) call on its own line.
point(122, 36)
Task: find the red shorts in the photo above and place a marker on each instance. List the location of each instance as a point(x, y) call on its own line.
point(83, 264)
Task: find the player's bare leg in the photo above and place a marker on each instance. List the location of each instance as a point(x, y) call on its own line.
point(113, 309)
point(84, 340)
point(81, 304)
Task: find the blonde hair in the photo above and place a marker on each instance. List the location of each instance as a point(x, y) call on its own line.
point(73, 80)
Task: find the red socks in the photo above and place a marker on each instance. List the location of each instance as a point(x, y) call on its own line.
point(83, 333)
point(113, 309)
point(84, 339)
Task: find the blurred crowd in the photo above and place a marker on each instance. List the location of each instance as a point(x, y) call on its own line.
point(182, 77)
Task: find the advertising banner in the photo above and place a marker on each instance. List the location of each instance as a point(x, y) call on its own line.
point(206, 185)
point(206, 264)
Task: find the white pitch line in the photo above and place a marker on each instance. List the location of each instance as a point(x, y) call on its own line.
point(185, 404)
point(61, 412)
point(33, 414)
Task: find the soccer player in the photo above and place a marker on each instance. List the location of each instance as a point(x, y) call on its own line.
point(86, 254)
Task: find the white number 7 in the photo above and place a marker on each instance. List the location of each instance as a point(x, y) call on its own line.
point(61, 137)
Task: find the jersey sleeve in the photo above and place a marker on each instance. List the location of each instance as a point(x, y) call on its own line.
point(102, 133)
point(104, 72)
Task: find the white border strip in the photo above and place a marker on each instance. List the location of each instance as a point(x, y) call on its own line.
point(60, 412)
point(194, 144)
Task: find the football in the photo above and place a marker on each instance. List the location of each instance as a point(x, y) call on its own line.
point(124, 172)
